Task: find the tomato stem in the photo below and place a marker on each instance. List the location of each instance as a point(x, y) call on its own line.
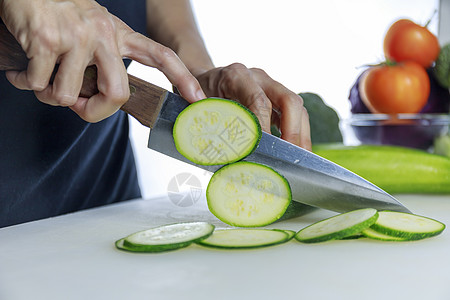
point(431, 18)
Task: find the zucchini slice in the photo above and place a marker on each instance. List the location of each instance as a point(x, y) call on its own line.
point(407, 226)
point(247, 194)
point(339, 226)
point(216, 131)
point(291, 233)
point(245, 238)
point(370, 233)
point(165, 238)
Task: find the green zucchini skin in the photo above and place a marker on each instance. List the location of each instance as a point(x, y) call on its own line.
point(397, 170)
point(404, 232)
point(122, 244)
point(344, 232)
point(225, 243)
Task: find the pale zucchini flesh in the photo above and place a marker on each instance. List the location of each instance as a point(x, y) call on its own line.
point(247, 194)
point(339, 226)
point(407, 226)
point(166, 237)
point(244, 238)
point(216, 131)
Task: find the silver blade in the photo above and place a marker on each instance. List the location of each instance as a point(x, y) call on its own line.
point(314, 180)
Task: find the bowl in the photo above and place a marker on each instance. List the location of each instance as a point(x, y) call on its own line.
point(407, 130)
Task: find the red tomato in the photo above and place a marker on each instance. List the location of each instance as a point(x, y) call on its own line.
point(399, 88)
point(406, 40)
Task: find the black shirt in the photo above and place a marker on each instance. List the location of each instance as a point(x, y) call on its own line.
point(52, 162)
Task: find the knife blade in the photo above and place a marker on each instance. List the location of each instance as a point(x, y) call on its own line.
point(314, 181)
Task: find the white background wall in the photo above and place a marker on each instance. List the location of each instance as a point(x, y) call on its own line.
point(309, 46)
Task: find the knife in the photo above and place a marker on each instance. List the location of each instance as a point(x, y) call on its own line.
point(314, 180)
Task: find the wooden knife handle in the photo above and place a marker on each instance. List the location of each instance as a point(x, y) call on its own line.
point(145, 98)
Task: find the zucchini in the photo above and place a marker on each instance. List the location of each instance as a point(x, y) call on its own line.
point(165, 238)
point(291, 233)
point(248, 194)
point(245, 238)
point(216, 131)
point(396, 170)
point(339, 226)
point(407, 226)
point(370, 233)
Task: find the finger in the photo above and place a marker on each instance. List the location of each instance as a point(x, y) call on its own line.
point(112, 83)
point(289, 104)
point(305, 131)
point(68, 80)
point(150, 53)
point(237, 82)
point(37, 76)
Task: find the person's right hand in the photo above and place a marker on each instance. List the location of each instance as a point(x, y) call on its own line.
point(76, 34)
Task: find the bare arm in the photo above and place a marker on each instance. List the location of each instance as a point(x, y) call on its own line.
point(172, 23)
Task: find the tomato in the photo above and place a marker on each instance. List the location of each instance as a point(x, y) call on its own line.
point(398, 88)
point(406, 40)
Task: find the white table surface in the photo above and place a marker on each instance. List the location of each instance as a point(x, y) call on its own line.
point(73, 257)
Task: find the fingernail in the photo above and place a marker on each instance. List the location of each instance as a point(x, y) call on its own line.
point(200, 95)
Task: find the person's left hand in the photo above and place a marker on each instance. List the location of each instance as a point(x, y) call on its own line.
point(271, 102)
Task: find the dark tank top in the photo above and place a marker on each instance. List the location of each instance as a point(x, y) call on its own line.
point(52, 162)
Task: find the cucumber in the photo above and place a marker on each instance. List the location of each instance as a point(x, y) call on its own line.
point(407, 226)
point(247, 194)
point(216, 131)
point(370, 233)
point(339, 226)
point(165, 238)
point(245, 238)
point(396, 170)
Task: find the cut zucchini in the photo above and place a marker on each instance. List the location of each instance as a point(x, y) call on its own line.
point(216, 131)
point(165, 238)
point(338, 227)
point(370, 233)
point(247, 194)
point(407, 226)
point(291, 234)
point(245, 238)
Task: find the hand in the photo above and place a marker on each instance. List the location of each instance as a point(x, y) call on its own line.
point(268, 99)
point(76, 34)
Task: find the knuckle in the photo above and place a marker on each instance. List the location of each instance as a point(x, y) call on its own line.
point(36, 85)
point(63, 99)
point(119, 96)
point(46, 38)
point(164, 55)
point(259, 71)
point(103, 23)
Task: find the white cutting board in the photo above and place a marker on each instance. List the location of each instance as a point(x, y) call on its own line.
point(73, 257)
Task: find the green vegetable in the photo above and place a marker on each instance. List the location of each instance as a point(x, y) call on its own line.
point(165, 238)
point(216, 131)
point(339, 226)
point(324, 121)
point(248, 194)
point(245, 238)
point(442, 67)
point(407, 226)
point(370, 233)
point(393, 169)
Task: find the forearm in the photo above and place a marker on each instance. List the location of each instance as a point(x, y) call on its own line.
point(172, 23)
